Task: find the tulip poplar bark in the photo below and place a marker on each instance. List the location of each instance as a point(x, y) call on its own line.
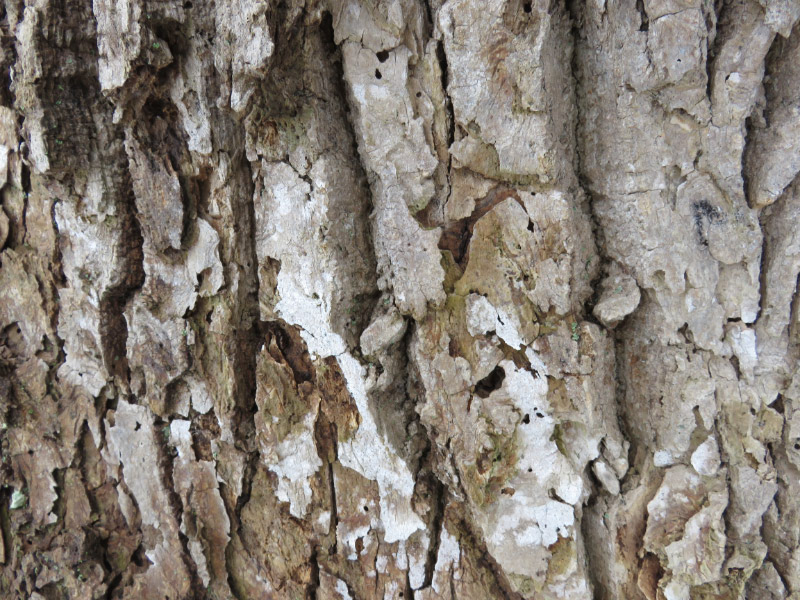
point(400, 299)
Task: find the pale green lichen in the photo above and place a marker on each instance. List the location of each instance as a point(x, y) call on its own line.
point(18, 500)
point(563, 557)
point(495, 468)
point(525, 585)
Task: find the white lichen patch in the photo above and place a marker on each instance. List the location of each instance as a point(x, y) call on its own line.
point(482, 318)
point(295, 460)
point(369, 454)
point(310, 295)
point(663, 458)
point(519, 527)
point(448, 557)
point(416, 558)
point(535, 526)
point(323, 522)
point(349, 532)
point(305, 295)
point(540, 458)
point(331, 587)
point(291, 219)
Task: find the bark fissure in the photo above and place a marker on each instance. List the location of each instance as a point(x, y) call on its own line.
point(346, 299)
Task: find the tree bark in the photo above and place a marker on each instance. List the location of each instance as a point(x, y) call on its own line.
point(433, 299)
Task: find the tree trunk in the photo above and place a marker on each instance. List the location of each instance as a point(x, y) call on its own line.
point(354, 299)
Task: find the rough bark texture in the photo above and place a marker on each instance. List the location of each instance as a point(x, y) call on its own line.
point(353, 299)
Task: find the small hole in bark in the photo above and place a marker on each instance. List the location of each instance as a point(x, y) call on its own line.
point(645, 21)
point(539, 415)
point(527, 7)
point(452, 348)
point(419, 94)
point(378, 74)
point(797, 445)
point(383, 55)
point(366, 508)
point(526, 419)
point(139, 558)
point(531, 227)
point(187, 5)
point(490, 383)
point(530, 470)
point(138, 426)
point(736, 366)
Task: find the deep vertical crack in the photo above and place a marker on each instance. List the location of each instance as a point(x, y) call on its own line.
point(441, 56)
point(113, 325)
point(166, 465)
point(437, 524)
point(334, 523)
point(644, 23)
point(313, 585)
point(342, 96)
point(746, 164)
